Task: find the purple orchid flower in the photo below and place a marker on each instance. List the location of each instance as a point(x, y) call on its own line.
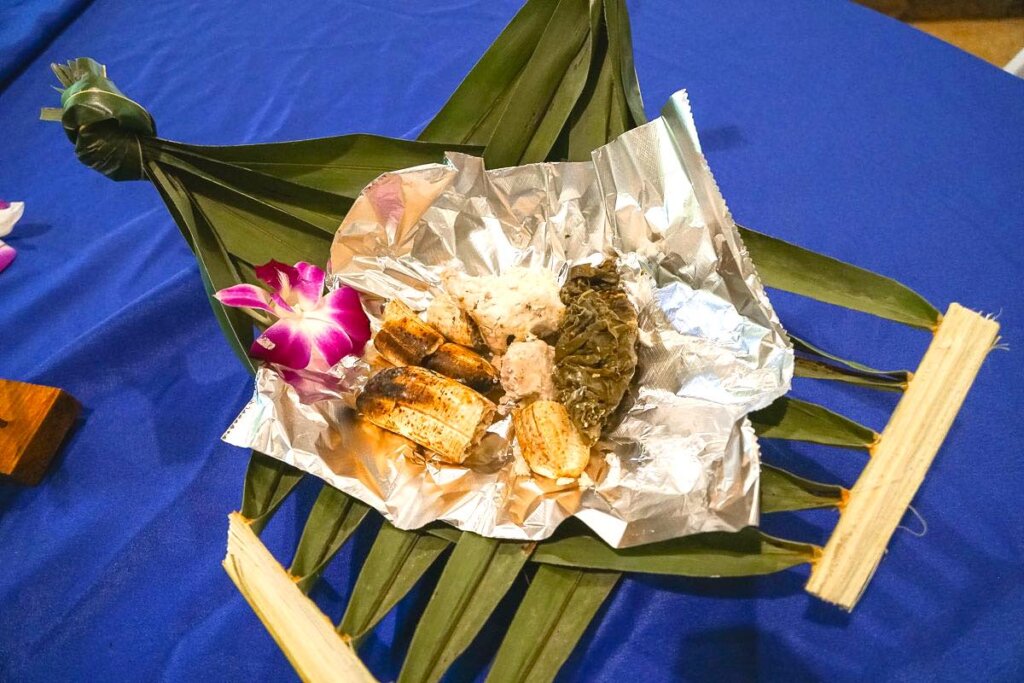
point(10, 213)
point(313, 331)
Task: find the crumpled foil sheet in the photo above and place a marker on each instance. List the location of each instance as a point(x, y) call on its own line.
point(683, 460)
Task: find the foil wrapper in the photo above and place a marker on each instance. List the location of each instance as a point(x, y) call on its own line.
point(683, 460)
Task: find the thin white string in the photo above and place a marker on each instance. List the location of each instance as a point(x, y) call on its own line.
point(924, 524)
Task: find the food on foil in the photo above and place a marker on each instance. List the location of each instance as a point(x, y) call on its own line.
point(429, 409)
point(519, 303)
point(453, 322)
point(595, 352)
point(550, 443)
point(587, 371)
point(683, 460)
point(527, 370)
point(404, 339)
point(463, 365)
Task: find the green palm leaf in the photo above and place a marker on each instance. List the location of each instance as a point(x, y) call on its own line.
point(745, 553)
point(553, 615)
point(397, 561)
point(796, 420)
point(333, 519)
point(783, 491)
point(786, 266)
point(478, 574)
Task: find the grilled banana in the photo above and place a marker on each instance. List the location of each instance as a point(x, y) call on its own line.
point(431, 410)
point(551, 444)
point(404, 339)
point(463, 365)
point(453, 322)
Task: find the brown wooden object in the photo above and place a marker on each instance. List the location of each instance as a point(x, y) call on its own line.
point(33, 422)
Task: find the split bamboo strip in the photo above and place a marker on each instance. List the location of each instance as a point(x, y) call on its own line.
point(303, 633)
point(902, 457)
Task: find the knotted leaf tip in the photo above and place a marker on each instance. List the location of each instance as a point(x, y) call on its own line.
point(105, 126)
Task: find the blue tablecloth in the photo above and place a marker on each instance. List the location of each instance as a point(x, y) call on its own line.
point(824, 123)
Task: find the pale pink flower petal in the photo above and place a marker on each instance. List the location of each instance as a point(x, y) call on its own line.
point(310, 286)
point(385, 195)
point(10, 214)
point(246, 296)
point(7, 254)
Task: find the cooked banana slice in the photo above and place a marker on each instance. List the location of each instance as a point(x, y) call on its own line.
point(404, 339)
point(550, 442)
point(453, 322)
point(396, 310)
point(463, 365)
point(433, 411)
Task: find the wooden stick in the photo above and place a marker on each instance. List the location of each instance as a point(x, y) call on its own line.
point(902, 457)
point(301, 630)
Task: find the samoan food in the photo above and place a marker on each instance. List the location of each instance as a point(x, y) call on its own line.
point(434, 411)
point(560, 359)
point(595, 354)
point(514, 306)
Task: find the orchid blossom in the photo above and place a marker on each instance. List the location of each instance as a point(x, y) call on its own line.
point(10, 213)
point(312, 331)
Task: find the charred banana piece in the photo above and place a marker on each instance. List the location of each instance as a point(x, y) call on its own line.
point(429, 409)
point(453, 322)
point(463, 365)
point(550, 442)
point(404, 339)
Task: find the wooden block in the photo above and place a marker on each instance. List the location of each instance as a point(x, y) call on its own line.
point(303, 633)
point(902, 457)
point(33, 423)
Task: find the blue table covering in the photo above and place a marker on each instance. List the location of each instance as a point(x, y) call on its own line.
point(824, 123)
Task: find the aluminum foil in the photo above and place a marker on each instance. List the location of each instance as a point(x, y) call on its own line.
point(683, 460)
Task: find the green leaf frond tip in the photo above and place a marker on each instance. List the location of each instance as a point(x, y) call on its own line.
point(332, 520)
point(747, 552)
point(397, 561)
point(553, 615)
point(815, 362)
point(476, 577)
point(796, 420)
point(783, 491)
point(794, 269)
point(268, 482)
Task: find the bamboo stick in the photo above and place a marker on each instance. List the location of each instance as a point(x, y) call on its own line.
point(301, 630)
point(902, 457)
